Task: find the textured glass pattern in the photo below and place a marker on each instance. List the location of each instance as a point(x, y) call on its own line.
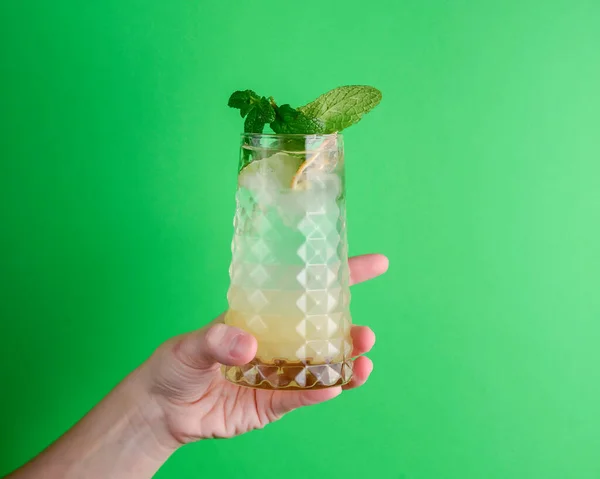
point(289, 270)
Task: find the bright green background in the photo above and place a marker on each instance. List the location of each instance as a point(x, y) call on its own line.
point(479, 176)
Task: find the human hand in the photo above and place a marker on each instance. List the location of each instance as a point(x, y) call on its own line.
point(197, 402)
point(179, 395)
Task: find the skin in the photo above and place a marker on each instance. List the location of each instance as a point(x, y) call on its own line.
point(179, 396)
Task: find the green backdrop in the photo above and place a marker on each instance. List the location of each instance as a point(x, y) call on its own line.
point(479, 176)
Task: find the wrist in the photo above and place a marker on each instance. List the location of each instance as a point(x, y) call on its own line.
point(124, 436)
point(146, 420)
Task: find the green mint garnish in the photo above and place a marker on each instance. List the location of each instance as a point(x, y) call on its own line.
point(342, 107)
point(257, 110)
point(330, 113)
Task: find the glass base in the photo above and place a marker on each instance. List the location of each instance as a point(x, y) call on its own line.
point(289, 375)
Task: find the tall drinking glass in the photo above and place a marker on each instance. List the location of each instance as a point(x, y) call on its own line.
point(289, 271)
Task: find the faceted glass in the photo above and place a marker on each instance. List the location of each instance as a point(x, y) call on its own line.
point(289, 271)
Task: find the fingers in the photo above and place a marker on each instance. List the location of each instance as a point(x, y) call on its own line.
point(286, 401)
point(216, 344)
point(367, 266)
point(363, 340)
point(363, 367)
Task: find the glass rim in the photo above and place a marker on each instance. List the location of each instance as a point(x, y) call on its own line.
point(291, 135)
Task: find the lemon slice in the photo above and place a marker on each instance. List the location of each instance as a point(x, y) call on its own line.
point(299, 180)
point(275, 171)
point(314, 165)
point(316, 161)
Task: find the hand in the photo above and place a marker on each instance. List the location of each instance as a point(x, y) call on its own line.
point(197, 402)
point(179, 396)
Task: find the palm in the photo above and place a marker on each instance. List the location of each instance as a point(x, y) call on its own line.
point(227, 410)
point(242, 410)
point(199, 403)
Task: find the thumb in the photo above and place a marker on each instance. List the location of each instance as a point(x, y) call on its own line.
point(182, 368)
point(216, 344)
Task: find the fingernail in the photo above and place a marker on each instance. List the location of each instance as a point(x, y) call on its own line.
point(238, 346)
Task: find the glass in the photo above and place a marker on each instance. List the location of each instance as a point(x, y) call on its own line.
point(289, 271)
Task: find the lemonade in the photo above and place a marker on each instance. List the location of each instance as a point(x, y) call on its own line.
point(289, 272)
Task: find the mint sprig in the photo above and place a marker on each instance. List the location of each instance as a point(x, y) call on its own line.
point(342, 107)
point(331, 112)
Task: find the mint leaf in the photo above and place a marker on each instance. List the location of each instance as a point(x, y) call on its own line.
point(252, 124)
point(242, 100)
point(342, 107)
point(265, 110)
point(245, 109)
point(259, 113)
point(257, 110)
point(288, 120)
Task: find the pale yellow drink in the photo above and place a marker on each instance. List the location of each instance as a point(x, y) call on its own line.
point(289, 271)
